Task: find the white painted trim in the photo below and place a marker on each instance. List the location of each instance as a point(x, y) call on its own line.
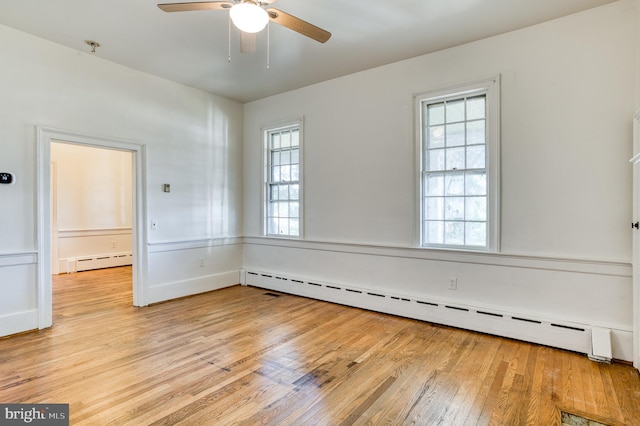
point(18, 258)
point(55, 242)
point(636, 240)
point(162, 246)
point(182, 288)
point(584, 266)
point(74, 233)
point(18, 322)
point(45, 136)
point(43, 229)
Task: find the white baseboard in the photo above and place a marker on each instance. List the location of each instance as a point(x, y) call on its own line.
point(568, 335)
point(174, 290)
point(18, 322)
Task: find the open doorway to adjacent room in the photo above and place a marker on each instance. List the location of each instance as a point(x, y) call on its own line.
point(90, 204)
point(91, 209)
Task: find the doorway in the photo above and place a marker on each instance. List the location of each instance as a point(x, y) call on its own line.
point(90, 207)
point(45, 138)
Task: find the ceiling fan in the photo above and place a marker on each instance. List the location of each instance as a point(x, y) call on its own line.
point(252, 16)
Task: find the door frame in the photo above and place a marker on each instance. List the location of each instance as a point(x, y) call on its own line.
point(46, 136)
point(635, 257)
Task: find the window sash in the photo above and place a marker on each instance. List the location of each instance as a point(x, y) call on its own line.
point(458, 164)
point(283, 182)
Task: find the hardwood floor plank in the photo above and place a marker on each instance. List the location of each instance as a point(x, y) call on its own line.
point(249, 356)
point(535, 373)
point(549, 412)
point(626, 392)
point(489, 390)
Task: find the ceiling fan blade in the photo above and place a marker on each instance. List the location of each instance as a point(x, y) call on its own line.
point(195, 5)
point(247, 42)
point(298, 25)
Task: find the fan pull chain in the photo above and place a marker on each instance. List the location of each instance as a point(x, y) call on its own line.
point(268, 44)
point(229, 41)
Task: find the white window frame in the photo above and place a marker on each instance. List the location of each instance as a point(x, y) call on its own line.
point(266, 179)
point(490, 87)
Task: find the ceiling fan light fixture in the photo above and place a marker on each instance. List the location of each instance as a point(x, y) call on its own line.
point(249, 17)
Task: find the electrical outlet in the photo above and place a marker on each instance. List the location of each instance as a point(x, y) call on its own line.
point(202, 262)
point(113, 244)
point(453, 283)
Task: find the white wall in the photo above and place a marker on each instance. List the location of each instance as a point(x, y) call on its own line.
point(192, 140)
point(568, 97)
point(93, 187)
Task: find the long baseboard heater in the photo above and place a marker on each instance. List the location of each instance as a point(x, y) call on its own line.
point(98, 262)
point(564, 335)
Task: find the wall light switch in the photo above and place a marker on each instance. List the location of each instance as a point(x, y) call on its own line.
point(154, 225)
point(166, 187)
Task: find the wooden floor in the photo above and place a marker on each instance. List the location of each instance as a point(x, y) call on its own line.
point(244, 355)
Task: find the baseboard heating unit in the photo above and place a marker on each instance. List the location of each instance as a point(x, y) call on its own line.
point(569, 336)
point(87, 263)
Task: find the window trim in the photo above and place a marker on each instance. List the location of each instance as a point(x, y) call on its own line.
point(491, 87)
point(265, 131)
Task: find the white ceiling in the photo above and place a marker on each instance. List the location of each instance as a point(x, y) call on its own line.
point(192, 47)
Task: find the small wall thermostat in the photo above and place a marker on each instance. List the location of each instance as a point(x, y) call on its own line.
point(6, 178)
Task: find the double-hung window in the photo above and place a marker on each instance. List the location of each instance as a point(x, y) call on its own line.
point(459, 167)
point(283, 183)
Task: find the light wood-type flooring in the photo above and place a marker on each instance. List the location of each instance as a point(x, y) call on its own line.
point(249, 356)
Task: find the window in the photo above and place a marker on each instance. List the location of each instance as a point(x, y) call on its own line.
point(459, 167)
point(283, 186)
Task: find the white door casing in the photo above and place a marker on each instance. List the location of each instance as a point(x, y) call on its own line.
point(45, 136)
point(636, 240)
